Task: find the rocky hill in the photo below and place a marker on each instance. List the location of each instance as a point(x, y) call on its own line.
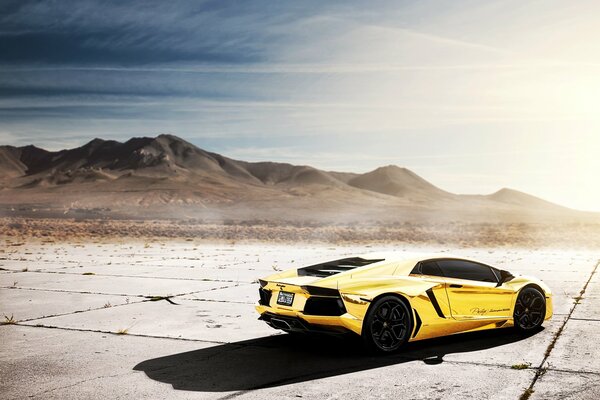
point(168, 177)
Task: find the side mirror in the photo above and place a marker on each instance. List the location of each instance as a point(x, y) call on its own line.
point(505, 276)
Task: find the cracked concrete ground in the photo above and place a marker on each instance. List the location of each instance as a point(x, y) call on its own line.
point(175, 320)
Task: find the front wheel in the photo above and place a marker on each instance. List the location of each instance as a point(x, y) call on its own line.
point(387, 325)
point(530, 309)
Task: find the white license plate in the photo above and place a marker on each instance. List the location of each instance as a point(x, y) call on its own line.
point(285, 298)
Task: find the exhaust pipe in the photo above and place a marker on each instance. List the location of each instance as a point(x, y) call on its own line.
point(280, 324)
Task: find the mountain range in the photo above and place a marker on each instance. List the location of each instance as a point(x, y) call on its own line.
point(168, 177)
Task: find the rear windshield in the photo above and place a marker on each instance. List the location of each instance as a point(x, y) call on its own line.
point(335, 267)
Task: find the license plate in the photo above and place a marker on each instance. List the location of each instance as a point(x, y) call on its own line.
point(285, 298)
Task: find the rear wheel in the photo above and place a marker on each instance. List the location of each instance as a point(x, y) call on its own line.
point(387, 325)
point(530, 309)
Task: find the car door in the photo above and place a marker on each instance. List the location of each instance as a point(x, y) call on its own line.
point(473, 290)
point(430, 272)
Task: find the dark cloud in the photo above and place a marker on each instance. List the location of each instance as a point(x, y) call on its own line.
point(83, 48)
point(110, 34)
point(143, 32)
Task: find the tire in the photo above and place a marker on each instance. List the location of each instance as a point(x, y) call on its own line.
point(388, 325)
point(530, 309)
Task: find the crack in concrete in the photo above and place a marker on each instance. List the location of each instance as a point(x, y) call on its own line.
point(221, 301)
point(540, 369)
point(459, 362)
point(586, 319)
point(117, 294)
point(570, 371)
point(80, 311)
point(146, 299)
point(141, 276)
point(69, 291)
point(117, 334)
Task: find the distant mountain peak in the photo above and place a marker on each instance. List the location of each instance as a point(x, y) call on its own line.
point(399, 182)
point(391, 167)
point(516, 197)
point(96, 141)
point(394, 170)
point(504, 190)
point(32, 147)
point(170, 137)
point(189, 173)
point(509, 192)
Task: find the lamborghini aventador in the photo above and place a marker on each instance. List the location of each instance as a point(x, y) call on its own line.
point(391, 299)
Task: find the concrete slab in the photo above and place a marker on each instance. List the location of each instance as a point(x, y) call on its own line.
point(197, 263)
point(563, 303)
point(505, 347)
point(588, 308)
point(19, 266)
point(566, 287)
point(244, 293)
point(589, 304)
point(205, 273)
point(577, 347)
point(196, 273)
point(596, 275)
point(195, 320)
point(567, 386)
point(125, 286)
point(57, 364)
point(25, 304)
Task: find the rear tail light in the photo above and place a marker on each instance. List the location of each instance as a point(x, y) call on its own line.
point(265, 297)
point(320, 291)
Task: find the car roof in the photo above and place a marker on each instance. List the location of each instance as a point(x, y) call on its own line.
point(407, 260)
point(407, 256)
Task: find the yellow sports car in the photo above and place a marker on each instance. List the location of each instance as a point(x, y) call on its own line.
point(391, 298)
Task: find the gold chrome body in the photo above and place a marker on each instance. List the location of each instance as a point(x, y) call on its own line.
point(440, 305)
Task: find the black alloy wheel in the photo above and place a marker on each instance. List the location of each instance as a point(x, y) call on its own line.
point(530, 309)
point(388, 325)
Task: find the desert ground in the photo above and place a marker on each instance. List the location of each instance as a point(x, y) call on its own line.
point(142, 316)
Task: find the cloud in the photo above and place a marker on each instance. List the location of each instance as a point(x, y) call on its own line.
point(132, 33)
point(109, 48)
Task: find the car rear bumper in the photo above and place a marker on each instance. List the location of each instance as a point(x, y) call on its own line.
point(294, 321)
point(297, 324)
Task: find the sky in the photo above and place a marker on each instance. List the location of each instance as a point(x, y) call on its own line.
point(473, 96)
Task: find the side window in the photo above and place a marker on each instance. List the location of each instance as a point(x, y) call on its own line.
point(467, 270)
point(431, 268)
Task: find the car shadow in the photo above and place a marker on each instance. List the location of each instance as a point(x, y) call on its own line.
point(283, 359)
